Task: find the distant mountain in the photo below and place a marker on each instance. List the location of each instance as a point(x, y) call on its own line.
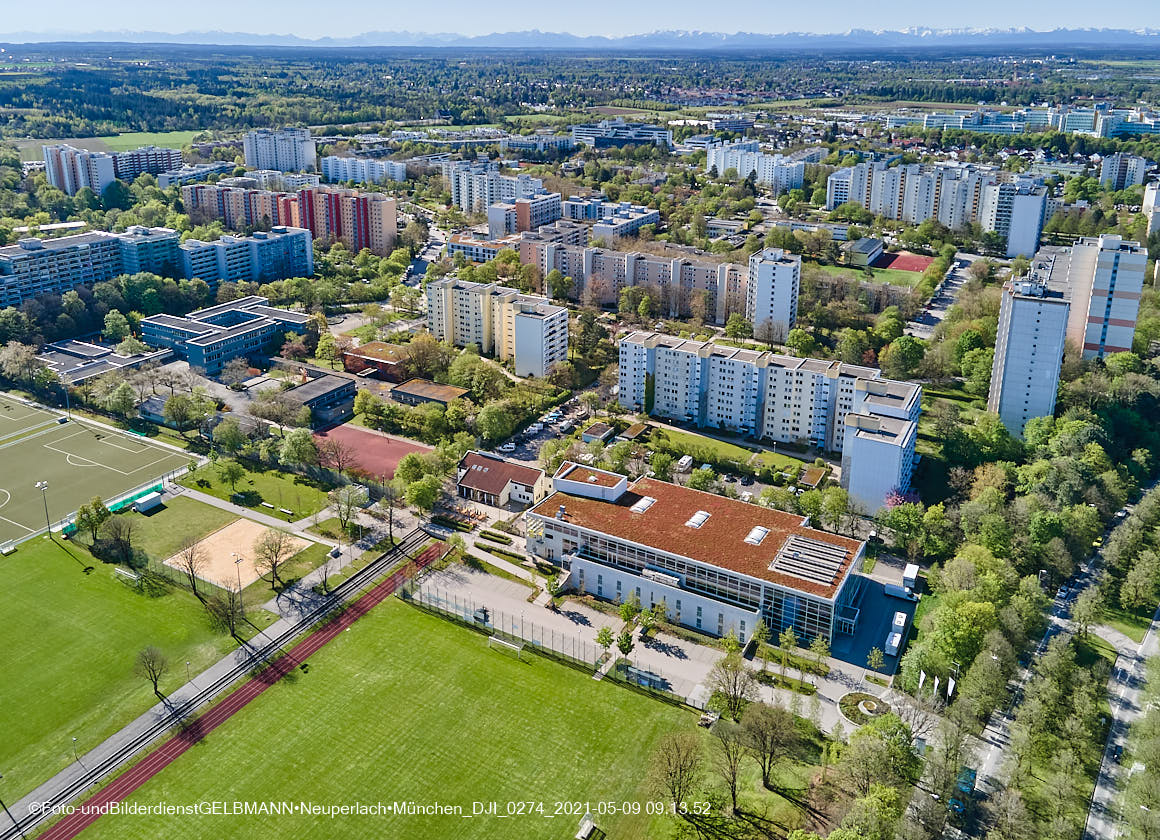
point(661, 40)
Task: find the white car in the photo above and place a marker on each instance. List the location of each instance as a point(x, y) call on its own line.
point(508, 447)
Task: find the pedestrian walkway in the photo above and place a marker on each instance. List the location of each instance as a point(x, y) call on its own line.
point(298, 527)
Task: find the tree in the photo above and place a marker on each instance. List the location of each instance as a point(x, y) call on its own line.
point(116, 326)
point(184, 411)
point(737, 327)
point(624, 642)
point(231, 472)
point(192, 560)
point(423, 493)
point(151, 666)
point(235, 372)
point(91, 516)
point(786, 640)
point(327, 349)
point(121, 400)
point(820, 648)
point(604, 638)
point(630, 609)
point(298, 447)
point(902, 356)
point(801, 342)
point(1087, 609)
point(703, 478)
point(119, 530)
point(228, 436)
point(271, 551)
point(662, 466)
point(734, 682)
point(117, 196)
point(346, 500)
point(676, 767)
point(880, 752)
point(875, 815)
point(559, 285)
point(761, 640)
point(769, 736)
point(729, 754)
point(336, 454)
point(875, 659)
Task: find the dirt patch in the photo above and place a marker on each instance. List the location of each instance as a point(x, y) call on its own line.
point(220, 548)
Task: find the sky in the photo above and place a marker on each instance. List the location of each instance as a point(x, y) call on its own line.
point(597, 17)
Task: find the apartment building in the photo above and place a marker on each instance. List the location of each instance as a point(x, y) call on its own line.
point(1106, 280)
point(70, 169)
point(152, 249)
point(617, 132)
point(1029, 343)
point(954, 194)
point(476, 185)
point(500, 321)
point(208, 338)
point(778, 172)
point(538, 142)
point(238, 207)
point(771, 294)
point(275, 179)
point(34, 267)
point(523, 214)
point(624, 219)
point(1122, 170)
point(714, 564)
point(357, 219)
point(147, 159)
point(263, 257)
point(480, 250)
point(362, 170)
point(286, 149)
point(191, 174)
point(779, 398)
point(1151, 206)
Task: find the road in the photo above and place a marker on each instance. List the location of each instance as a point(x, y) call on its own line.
point(1124, 695)
point(435, 242)
point(944, 298)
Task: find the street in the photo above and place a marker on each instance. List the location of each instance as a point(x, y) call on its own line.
point(943, 299)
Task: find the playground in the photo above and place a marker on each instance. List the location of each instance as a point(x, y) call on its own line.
point(78, 460)
point(373, 453)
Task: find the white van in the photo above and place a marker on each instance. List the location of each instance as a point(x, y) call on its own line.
point(893, 643)
point(899, 623)
point(685, 463)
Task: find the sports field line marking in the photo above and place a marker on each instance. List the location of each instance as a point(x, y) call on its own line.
point(28, 429)
point(17, 439)
point(18, 525)
point(95, 463)
point(7, 497)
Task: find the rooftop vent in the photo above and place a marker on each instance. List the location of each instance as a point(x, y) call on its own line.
point(698, 519)
point(560, 512)
point(756, 535)
point(643, 504)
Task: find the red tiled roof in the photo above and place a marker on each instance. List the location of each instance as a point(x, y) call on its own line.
point(489, 474)
point(720, 541)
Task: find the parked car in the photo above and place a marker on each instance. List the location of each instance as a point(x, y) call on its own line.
point(747, 480)
point(508, 447)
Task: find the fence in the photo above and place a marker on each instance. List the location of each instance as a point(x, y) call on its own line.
point(567, 648)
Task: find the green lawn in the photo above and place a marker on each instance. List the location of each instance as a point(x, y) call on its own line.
point(881, 275)
point(161, 534)
point(137, 139)
point(1134, 625)
point(297, 493)
point(692, 444)
point(408, 707)
point(68, 642)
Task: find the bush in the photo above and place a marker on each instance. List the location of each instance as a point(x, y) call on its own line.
point(496, 537)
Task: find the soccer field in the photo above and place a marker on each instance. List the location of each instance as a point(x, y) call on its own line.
point(406, 707)
point(77, 459)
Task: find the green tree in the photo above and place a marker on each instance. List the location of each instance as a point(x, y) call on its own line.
point(801, 342)
point(91, 516)
point(423, 493)
point(116, 326)
point(662, 466)
point(703, 478)
point(875, 659)
point(231, 472)
point(298, 448)
point(604, 638)
point(228, 436)
point(624, 642)
point(737, 327)
point(327, 349)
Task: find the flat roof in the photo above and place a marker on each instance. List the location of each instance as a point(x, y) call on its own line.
point(429, 390)
point(791, 554)
point(379, 351)
point(599, 429)
point(320, 387)
point(587, 475)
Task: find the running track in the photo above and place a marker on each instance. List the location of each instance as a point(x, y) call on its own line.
point(125, 784)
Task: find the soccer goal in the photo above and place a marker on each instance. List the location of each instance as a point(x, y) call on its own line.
point(504, 646)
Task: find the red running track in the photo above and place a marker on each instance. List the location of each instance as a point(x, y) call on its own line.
point(124, 785)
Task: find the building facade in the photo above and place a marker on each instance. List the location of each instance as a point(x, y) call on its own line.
point(286, 149)
point(1106, 279)
point(617, 132)
point(1029, 342)
point(70, 169)
point(771, 294)
point(499, 321)
point(1121, 170)
point(263, 257)
point(778, 172)
point(362, 170)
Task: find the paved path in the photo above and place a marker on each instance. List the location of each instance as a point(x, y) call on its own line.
point(124, 785)
point(1124, 696)
point(924, 322)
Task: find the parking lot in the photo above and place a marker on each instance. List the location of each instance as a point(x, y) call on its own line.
point(525, 446)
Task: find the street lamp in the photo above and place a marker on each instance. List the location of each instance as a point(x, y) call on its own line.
point(42, 486)
point(238, 565)
point(9, 813)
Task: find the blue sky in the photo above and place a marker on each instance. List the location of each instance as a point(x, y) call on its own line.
point(311, 18)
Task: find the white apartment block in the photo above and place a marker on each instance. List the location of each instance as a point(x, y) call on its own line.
point(1029, 343)
point(617, 132)
point(522, 214)
point(147, 159)
point(1121, 170)
point(263, 257)
point(623, 219)
point(779, 398)
point(476, 185)
point(276, 179)
point(362, 170)
point(778, 172)
point(500, 321)
point(954, 194)
point(1106, 280)
point(286, 149)
point(1151, 206)
point(771, 295)
point(70, 169)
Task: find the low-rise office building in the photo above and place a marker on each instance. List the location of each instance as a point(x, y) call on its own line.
point(386, 361)
point(617, 132)
point(492, 480)
point(210, 337)
point(715, 564)
point(192, 173)
point(329, 398)
point(79, 361)
point(418, 391)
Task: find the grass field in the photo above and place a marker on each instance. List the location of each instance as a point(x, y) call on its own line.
point(283, 490)
point(31, 149)
point(1134, 625)
point(881, 275)
point(408, 707)
point(77, 460)
point(68, 641)
point(692, 444)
